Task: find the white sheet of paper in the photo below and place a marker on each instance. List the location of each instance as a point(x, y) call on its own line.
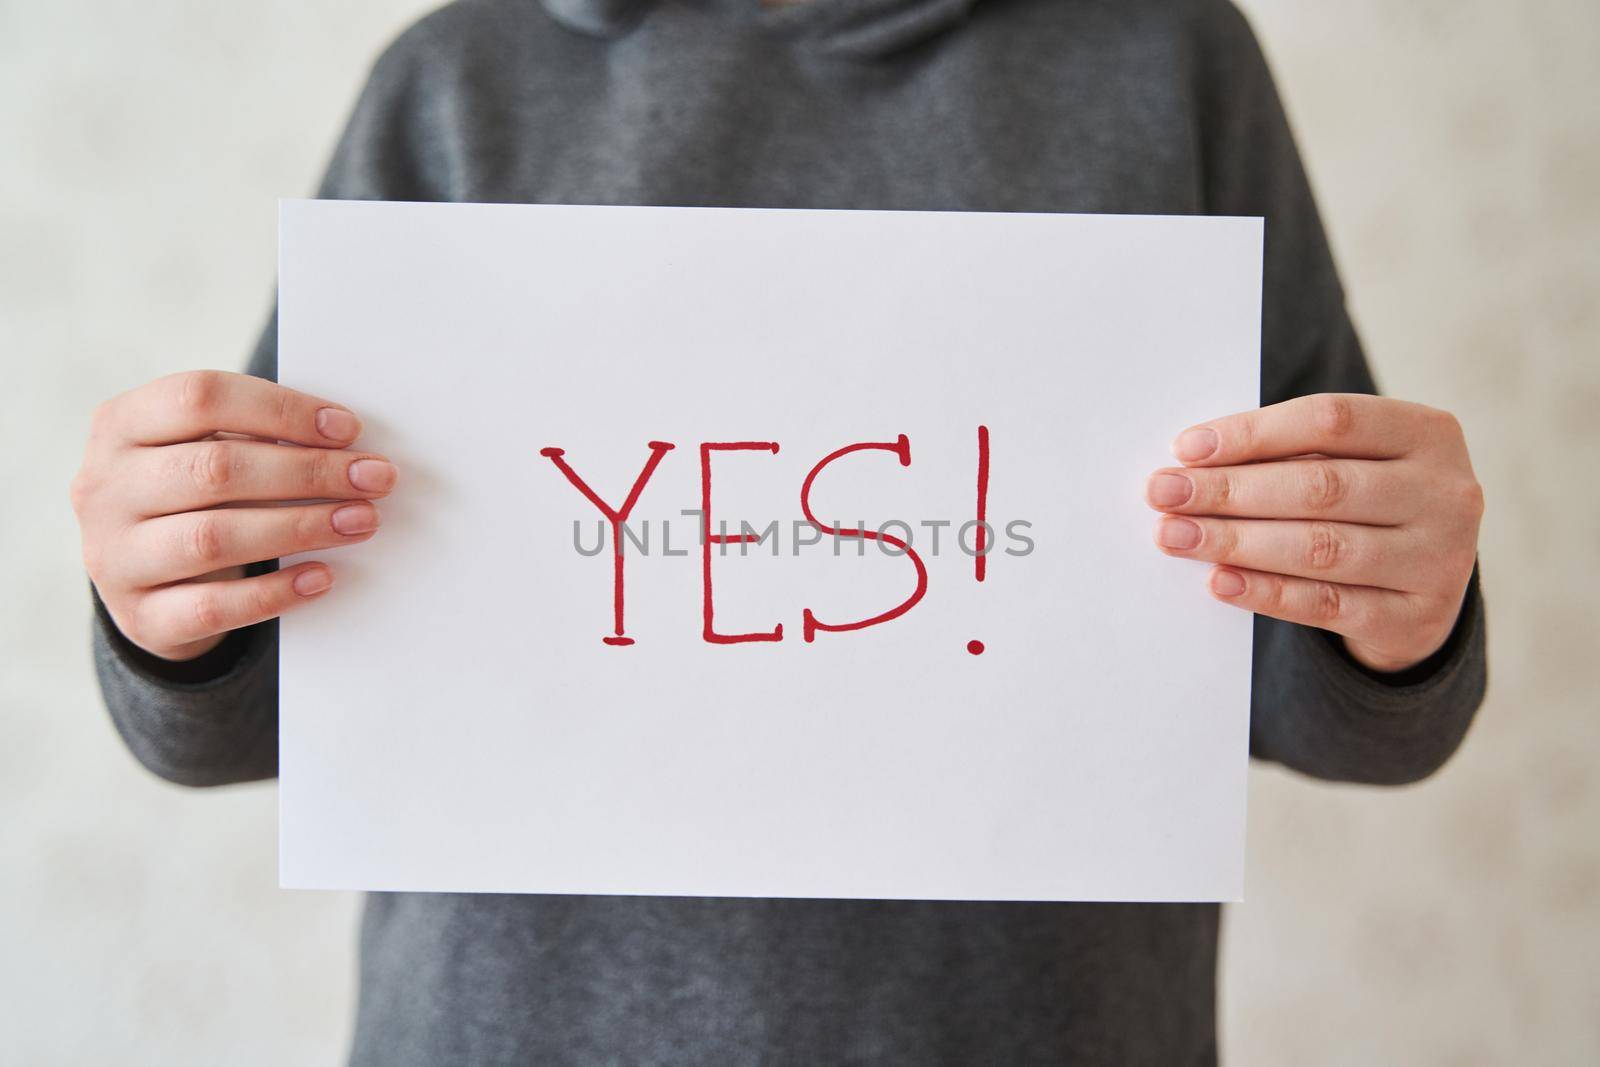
point(451, 718)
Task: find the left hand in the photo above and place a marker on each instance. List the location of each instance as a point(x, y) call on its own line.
point(1356, 514)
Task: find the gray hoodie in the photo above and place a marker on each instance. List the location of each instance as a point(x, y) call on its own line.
point(1147, 106)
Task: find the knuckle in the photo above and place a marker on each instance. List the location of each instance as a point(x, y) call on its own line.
point(94, 549)
point(205, 540)
point(1470, 495)
point(1327, 603)
point(1223, 489)
point(1224, 540)
point(1323, 486)
point(94, 555)
point(1243, 433)
point(310, 527)
point(1461, 561)
point(198, 391)
point(286, 407)
point(1325, 548)
point(1272, 595)
point(1438, 430)
point(1434, 614)
point(264, 599)
point(211, 466)
point(1333, 414)
point(102, 418)
point(208, 611)
point(316, 471)
point(80, 490)
point(133, 619)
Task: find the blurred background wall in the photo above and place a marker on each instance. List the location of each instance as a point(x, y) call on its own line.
point(1455, 145)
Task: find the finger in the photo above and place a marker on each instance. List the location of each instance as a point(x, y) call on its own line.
point(1348, 490)
point(203, 474)
point(1330, 551)
point(175, 547)
point(1336, 424)
point(196, 404)
point(1351, 610)
point(178, 615)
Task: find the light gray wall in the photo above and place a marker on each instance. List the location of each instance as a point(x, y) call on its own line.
point(1456, 147)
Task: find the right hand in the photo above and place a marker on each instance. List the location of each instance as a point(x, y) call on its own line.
point(183, 483)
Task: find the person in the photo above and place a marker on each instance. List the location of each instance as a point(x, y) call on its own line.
point(1347, 522)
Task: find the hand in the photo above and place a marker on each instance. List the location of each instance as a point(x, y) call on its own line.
point(1356, 514)
point(182, 484)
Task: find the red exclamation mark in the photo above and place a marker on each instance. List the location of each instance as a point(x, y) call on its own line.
point(980, 564)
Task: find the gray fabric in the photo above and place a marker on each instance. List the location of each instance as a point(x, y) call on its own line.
point(1038, 105)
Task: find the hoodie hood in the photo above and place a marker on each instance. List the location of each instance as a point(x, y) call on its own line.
point(861, 29)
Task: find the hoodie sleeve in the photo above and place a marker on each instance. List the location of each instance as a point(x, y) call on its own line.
point(1313, 708)
point(214, 720)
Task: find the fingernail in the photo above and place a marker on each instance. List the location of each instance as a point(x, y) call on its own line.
point(1177, 533)
point(313, 581)
point(1168, 490)
point(356, 519)
point(1227, 583)
point(337, 424)
point(1195, 444)
point(372, 475)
